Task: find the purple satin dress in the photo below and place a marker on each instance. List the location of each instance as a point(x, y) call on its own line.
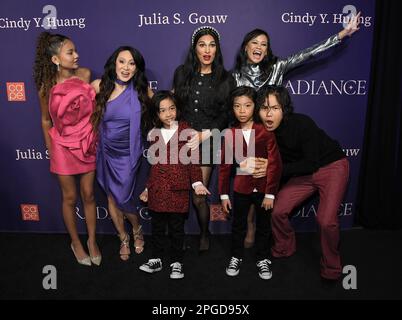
point(120, 148)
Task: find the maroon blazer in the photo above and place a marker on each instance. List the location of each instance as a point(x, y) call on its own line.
point(265, 147)
point(169, 184)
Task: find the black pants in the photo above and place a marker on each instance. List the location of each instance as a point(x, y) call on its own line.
point(263, 234)
point(175, 224)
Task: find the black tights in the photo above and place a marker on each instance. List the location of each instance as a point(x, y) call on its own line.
point(202, 208)
point(200, 203)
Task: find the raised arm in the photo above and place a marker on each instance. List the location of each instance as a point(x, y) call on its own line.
point(351, 28)
point(305, 54)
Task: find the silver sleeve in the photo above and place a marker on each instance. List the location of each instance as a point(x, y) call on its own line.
point(305, 54)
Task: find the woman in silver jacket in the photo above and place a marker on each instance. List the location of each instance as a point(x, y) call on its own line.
point(256, 66)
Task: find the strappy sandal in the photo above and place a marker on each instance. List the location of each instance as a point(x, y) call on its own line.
point(125, 244)
point(138, 240)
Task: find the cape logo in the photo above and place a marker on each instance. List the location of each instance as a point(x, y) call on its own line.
point(30, 212)
point(15, 91)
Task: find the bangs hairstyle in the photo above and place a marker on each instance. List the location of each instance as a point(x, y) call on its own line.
point(154, 109)
point(243, 91)
point(281, 94)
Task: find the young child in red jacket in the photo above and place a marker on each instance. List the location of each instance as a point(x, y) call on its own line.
point(171, 178)
point(246, 135)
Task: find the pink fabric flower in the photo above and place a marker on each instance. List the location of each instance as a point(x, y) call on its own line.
point(71, 105)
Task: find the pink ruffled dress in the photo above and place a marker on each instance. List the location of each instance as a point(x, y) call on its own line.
point(73, 142)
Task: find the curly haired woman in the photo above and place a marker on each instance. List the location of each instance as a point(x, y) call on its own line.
point(67, 103)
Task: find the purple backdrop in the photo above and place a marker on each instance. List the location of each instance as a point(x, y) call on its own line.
point(332, 89)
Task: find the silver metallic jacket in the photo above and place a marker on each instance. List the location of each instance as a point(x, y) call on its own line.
point(252, 76)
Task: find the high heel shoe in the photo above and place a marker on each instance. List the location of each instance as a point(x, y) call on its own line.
point(95, 260)
point(138, 240)
point(84, 261)
point(125, 244)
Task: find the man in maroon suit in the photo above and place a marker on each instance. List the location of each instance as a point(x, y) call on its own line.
point(312, 162)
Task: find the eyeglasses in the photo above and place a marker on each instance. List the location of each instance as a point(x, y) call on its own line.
point(274, 109)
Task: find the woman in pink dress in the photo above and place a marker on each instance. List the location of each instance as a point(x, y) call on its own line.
point(67, 103)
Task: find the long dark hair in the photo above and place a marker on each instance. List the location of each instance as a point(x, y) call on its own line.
point(152, 113)
point(44, 70)
point(243, 91)
point(109, 77)
point(266, 63)
point(187, 72)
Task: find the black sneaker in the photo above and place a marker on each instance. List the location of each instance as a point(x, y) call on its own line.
point(176, 271)
point(233, 268)
point(153, 265)
point(264, 270)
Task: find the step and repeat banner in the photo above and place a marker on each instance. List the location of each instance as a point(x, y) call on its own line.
point(332, 88)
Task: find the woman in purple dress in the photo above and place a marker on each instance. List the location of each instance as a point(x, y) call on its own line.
point(122, 96)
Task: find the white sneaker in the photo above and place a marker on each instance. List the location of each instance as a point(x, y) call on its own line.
point(264, 270)
point(153, 265)
point(177, 271)
point(233, 268)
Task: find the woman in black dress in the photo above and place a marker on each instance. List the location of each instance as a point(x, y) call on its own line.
point(203, 85)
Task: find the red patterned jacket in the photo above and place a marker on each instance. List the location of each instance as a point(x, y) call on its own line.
point(169, 184)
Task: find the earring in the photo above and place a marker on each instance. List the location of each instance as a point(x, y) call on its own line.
point(58, 67)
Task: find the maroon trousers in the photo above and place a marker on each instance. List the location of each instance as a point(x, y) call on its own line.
point(330, 181)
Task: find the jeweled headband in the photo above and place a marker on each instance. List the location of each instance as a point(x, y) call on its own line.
point(209, 28)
